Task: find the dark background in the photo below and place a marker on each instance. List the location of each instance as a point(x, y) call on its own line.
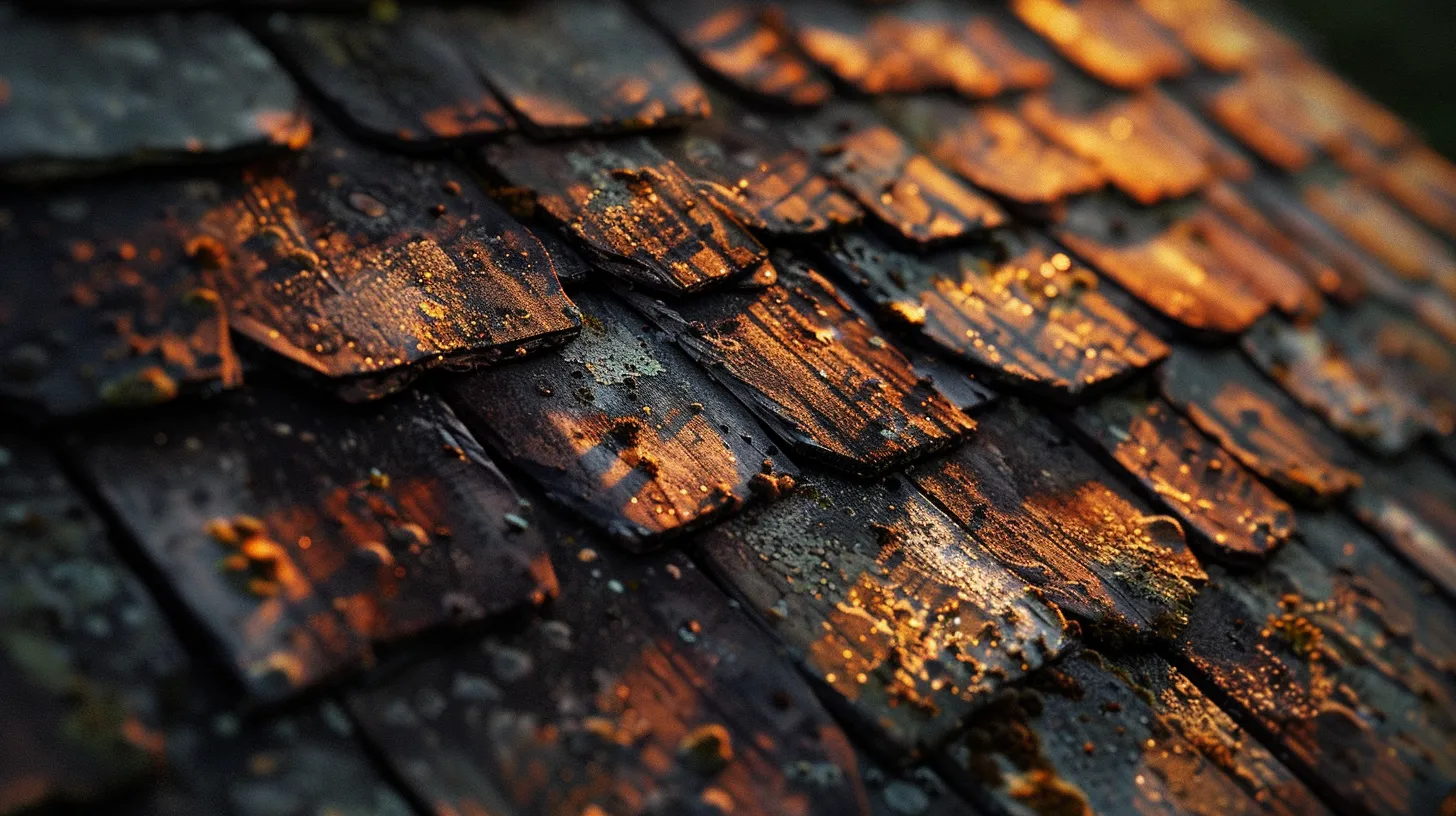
point(1402, 52)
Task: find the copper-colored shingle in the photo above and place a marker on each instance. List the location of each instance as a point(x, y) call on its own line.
point(1110, 39)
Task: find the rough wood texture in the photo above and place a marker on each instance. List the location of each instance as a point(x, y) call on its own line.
point(85, 657)
point(738, 42)
point(1258, 424)
point(1014, 307)
point(874, 590)
point(101, 307)
point(997, 151)
point(84, 96)
point(1261, 271)
point(1127, 140)
point(370, 269)
point(1185, 709)
point(918, 46)
point(1229, 515)
point(621, 427)
point(749, 168)
point(1313, 369)
point(815, 372)
point(640, 691)
point(636, 213)
point(1048, 511)
point(1110, 40)
point(1388, 345)
point(402, 82)
point(1159, 258)
point(906, 191)
point(1079, 738)
point(579, 66)
point(300, 535)
point(1308, 259)
point(1376, 226)
point(1313, 675)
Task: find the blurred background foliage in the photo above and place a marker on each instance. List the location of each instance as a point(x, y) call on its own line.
point(1402, 52)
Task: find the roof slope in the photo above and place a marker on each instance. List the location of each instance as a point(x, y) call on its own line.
point(795, 407)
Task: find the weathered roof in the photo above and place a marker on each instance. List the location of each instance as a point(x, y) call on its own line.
point(792, 407)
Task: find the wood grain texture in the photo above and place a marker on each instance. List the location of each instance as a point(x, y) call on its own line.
point(911, 622)
point(623, 428)
point(1014, 307)
point(1048, 511)
point(812, 370)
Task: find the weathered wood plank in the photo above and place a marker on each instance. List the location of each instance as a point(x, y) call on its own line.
point(1311, 262)
point(1126, 139)
point(1311, 366)
point(636, 213)
point(996, 150)
point(1079, 738)
point(101, 307)
point(1229, 514)
point(1221, 34)
point(913, 197)
point(1160, 259)
point(579, 66)
point(1258, 424)
point(1388, 345)
point(1312, 675)
point(370, 269)
point(739, 43)
point(299, 535)
point(85, 656)
point(400, 81)
point(910, 621)
point(1047, 510)
point(1424, 182)
point(624, 429)
point(1180, 705)
point(812, 370)
point(641, 690)
point(82, 96)
point(1411, 505)
point(1013, 306)
point(1376, 226)
point(1112, 41)
point(753, 172)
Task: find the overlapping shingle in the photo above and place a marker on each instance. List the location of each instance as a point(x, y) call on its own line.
point(923, 45)
point(874, 590)
point(749, 168)
point(1015, 307)
point(1221, 34)
point(83, 96)
point(1162, 260)
point(994, 149)
point(1289, 651)
point(1111, 40)
point(299, 535)
point(1082, 739)
point(815, 372)
point(635, 212)
point(623, 429)
point(85, 656)
point(1228, 514)
point(1424, 182)
point(102, 308)
point(369, 269)
point(579, 66)
point(641, 690)
point(1314, 369)
point(739, 43)
point(1043, 507)
point(911, 195)
point(1308, 259)
point(1377, 227)
point(401, 81)
point(1260, 425)
point(1411, 505)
